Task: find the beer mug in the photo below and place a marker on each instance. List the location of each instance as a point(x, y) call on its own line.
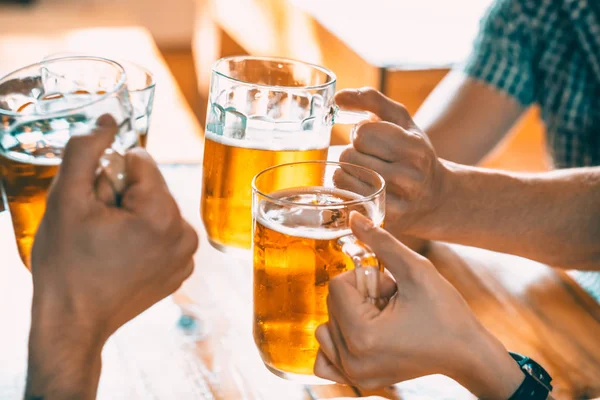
point(262, 112)
point(41, 107)
point(141, 85)
point(301, 240)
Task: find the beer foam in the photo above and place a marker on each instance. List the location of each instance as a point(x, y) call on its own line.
point(304, 232)
point(315, 223)
point(274, 140)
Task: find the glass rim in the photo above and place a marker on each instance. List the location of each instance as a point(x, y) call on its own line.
point(326, 71)
point(118, 86)
point(149, 73)
point(361, 200)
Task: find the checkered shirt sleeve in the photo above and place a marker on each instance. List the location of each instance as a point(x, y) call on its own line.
point(503, 51)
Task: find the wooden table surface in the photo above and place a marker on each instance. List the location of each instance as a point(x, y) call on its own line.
point(530, 307)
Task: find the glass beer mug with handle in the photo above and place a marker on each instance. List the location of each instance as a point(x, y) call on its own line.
point(302, 239)
point(41, 107)
point(262, 112)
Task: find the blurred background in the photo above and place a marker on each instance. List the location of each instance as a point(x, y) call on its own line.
point(401, 47)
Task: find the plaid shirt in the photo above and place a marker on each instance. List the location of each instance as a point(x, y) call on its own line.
point(548, 52)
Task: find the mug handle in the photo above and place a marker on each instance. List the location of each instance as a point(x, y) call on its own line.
point(366, 267)
point(3, 199)
point(112, 166)
point(112, 163)
point(345, 117)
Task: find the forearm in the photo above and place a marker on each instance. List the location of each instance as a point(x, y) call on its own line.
point(551, 217)
point(64, 363)
point(465, 119)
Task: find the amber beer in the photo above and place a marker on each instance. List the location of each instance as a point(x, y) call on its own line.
point(26, 183)
point(228, 168)
point(296, 253)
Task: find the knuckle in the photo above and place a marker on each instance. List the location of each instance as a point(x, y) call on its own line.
point(167, 220)
point(360, 343)
point(194, 240)
point(335, 285)
point(368, 384)
point(189, 270)
point(402, 108)
point(353, 370)
point(348, 154)
point(360, 135)
point(369, 93)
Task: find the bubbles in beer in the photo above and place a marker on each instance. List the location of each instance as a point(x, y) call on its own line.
point(296, 254)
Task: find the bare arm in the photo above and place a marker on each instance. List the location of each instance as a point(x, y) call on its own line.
point(465, 118)
point(551, 217)
point(64, 361)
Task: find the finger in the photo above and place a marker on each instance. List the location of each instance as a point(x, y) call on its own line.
point(384, 140)
point(325, 369)
point(352, 156)
point(188, 242)
point(387, 285)
point(82, 155)
point(398, 259)
point(349, 307)
point(104, 190)
point(326, 344)
point(369, 99)
point(337, 337)
point(142, 169)
point(147, 192)
point(403, 179)
point(346, 181)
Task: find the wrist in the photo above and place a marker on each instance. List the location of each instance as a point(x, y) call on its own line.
point(432, 216)
point(64, 358)
point(486, 368)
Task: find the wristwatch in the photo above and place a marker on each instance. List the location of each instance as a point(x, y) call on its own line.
point(536, 385)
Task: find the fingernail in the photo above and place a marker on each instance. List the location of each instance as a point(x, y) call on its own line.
point(360, 221)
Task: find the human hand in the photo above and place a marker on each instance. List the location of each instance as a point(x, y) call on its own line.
point(396, 148)
point(425, 328)
point(96, 266)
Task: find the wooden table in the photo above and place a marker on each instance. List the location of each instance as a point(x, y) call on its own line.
point(532, 308)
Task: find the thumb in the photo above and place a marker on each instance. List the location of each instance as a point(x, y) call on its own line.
point(82, 155)
point(397, 258)
point(369, 99)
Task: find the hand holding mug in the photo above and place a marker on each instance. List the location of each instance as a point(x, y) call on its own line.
point(425, 328)
point(96, 266)
point(396, 148)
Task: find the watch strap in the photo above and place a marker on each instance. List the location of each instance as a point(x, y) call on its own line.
point(536, 385)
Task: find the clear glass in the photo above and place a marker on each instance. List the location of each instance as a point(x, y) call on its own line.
point(262, 112)
point(41, 107)
point(301, 240)
point(141, 85)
